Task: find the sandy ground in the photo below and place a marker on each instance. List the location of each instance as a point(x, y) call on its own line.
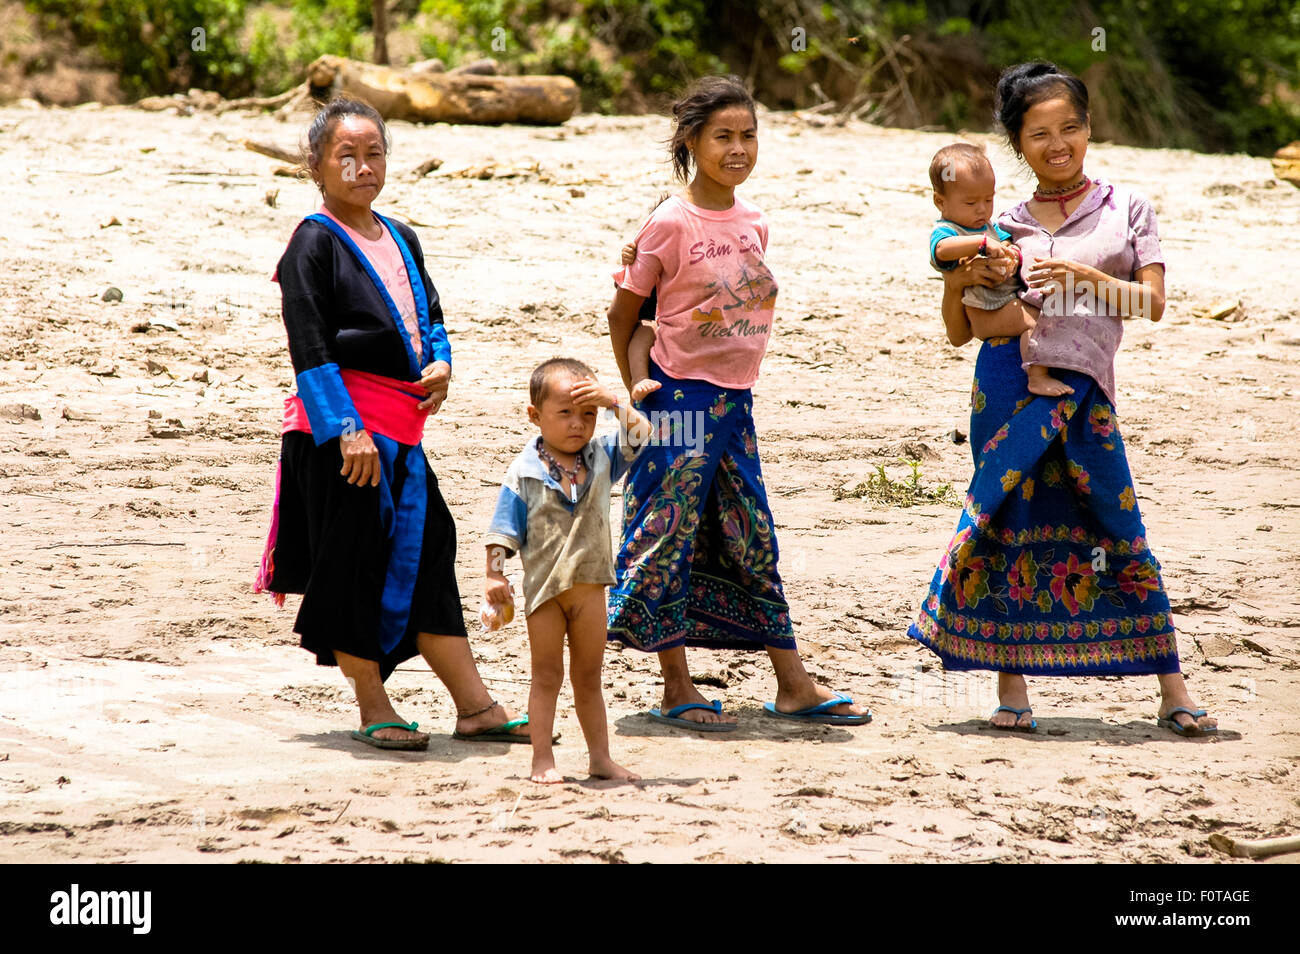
point(154, 709)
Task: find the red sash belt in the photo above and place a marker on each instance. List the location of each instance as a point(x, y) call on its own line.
point(387, 406)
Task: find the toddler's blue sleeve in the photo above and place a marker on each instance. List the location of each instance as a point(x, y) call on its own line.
point(509, 526)
point(619, 452)
point(940, 233)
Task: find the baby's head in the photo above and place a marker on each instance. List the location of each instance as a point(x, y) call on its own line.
point(564, 426)
point(963, 182)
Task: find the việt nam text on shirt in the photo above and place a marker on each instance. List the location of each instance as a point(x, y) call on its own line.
point(717, 297)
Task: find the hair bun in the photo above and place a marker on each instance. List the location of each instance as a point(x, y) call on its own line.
point(1015, 77)
point(1025, 84)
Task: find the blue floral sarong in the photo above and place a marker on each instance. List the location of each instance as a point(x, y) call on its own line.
point(697, 565)
point(1049, 572)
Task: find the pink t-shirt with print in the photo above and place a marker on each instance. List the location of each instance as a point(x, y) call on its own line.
point(386, 258)
point(716, 296)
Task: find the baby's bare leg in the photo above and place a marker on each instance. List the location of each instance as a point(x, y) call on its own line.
point(1042, 382)
point(1040, 377)
point(638, 361)
point(546, 644)
point(585, 609)
point(1011, 320)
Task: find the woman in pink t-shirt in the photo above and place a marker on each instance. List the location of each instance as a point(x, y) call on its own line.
point(1049, 572)
point(698, 561)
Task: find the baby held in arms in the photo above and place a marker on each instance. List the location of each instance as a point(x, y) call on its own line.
point(963, 182)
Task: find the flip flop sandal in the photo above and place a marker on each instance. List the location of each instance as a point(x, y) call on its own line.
point(671, 717)
point(1191, 731)
point(502, 733)
point(1015, 726)
point(367, 736)
point(819, 713)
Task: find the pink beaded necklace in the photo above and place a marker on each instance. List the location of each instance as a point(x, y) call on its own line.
point(1063, 196)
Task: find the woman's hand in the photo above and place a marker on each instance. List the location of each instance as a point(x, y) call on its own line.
point(1056, 271)
point(360, 459)
point(435, 379)
point(979, 271)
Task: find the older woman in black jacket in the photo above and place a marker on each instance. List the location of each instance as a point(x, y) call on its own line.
point(360, 528)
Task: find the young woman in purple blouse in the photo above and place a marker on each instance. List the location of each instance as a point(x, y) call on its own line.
point(1049, 572)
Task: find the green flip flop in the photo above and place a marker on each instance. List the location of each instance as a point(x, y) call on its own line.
point(502, 733)
point(367, 736)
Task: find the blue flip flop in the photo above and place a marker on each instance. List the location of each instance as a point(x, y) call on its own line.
point(671, 717)
point(1015, 726)
point(1187, 731)
point(819, 713)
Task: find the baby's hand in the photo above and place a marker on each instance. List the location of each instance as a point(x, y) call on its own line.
point(1004, 255)
point(629, 253)
point(644, 387)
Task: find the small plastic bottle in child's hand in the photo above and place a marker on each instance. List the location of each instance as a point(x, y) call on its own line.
point(498, 595)
point(493, 616)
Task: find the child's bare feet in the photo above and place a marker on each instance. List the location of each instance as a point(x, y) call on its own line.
point(1042, 382)
point(605, 767)
point(644, 387)
point(545, 773)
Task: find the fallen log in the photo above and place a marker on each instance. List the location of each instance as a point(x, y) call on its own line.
point(485, 67)
point(448, 97)
point(272, 150)
point(1263, 848)
point(262, 102)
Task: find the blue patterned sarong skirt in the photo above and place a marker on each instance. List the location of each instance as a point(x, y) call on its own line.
point(1049, 572)
point(698, 560)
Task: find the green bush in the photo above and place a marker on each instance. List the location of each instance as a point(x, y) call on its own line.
point(1196, 73)
point(656, 45)
point(158, 46)
point(1202, 74)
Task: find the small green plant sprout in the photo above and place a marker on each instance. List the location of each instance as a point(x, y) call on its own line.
point(910, 491)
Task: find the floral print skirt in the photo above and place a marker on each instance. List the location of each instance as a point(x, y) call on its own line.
point(698, 560)
point(1049, 572)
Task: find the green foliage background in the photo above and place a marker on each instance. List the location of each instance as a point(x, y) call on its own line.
point(1203, 74)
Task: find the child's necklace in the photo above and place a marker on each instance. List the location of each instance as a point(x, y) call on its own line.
point(557, 468)
point(1063, 196)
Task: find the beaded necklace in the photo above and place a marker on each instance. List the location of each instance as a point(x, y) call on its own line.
point(557, 469)
point(1063, 196)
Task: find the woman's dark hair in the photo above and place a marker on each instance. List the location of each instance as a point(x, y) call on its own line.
point(321, 130)
point(691, 112)
point(1028, 84)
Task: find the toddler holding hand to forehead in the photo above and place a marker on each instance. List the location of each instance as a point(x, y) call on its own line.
point(963, 182)
point(554, 511)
